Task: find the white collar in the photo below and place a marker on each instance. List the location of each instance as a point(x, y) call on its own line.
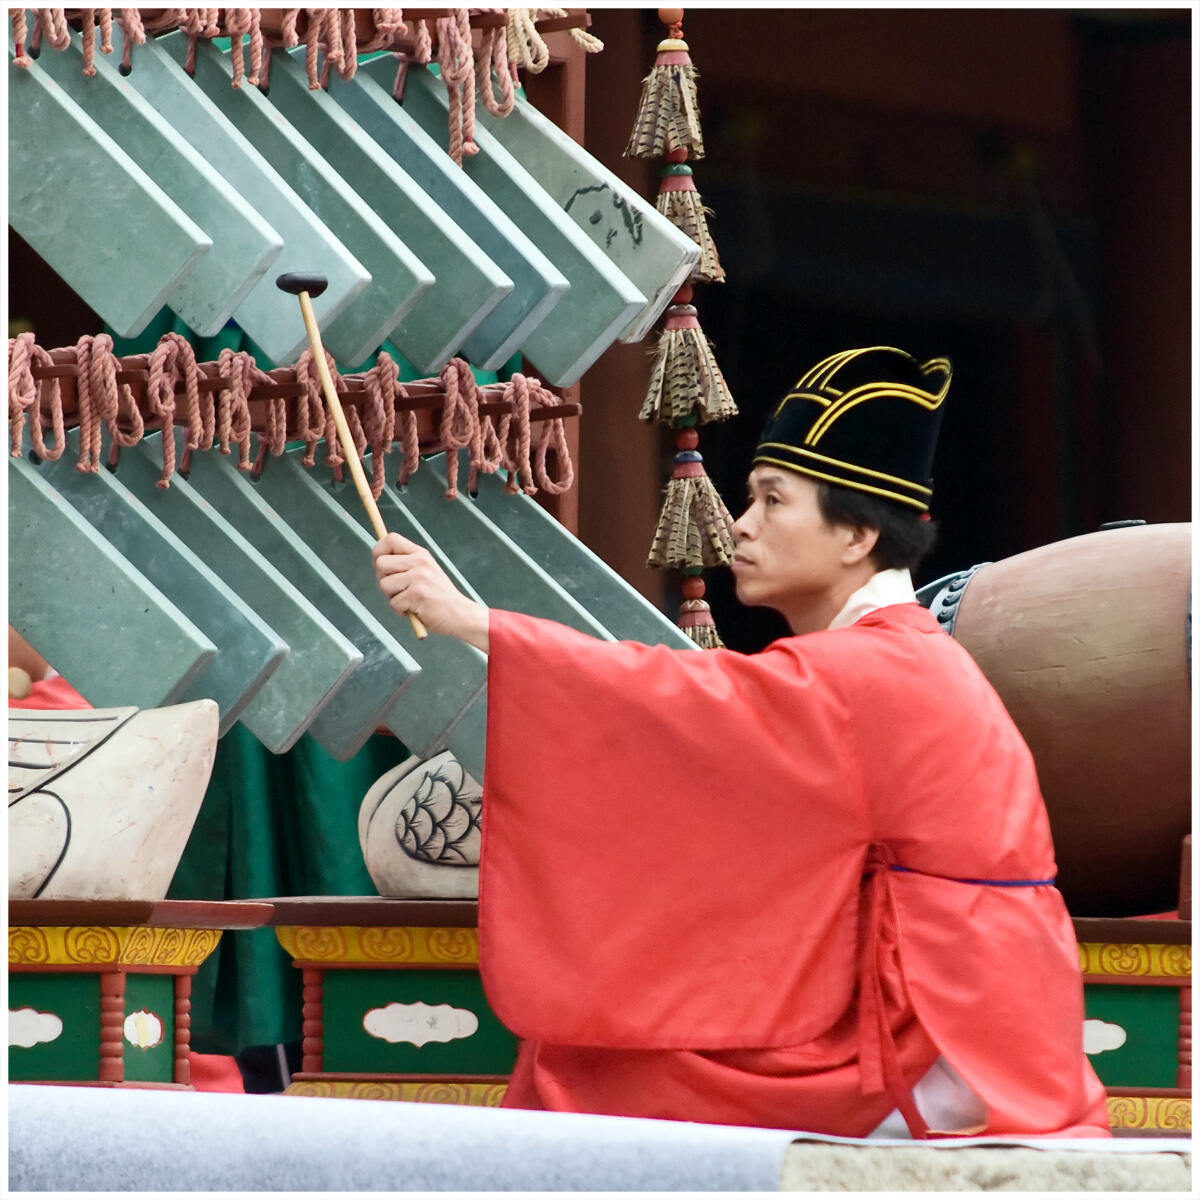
point(893, 586)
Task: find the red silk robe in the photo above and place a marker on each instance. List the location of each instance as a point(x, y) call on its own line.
point(770, 889)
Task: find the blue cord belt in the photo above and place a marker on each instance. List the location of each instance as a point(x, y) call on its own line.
point(980, 882)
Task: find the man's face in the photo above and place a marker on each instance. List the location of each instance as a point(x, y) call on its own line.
point(786, 553)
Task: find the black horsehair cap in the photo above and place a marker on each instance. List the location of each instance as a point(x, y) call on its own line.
point(865, 419)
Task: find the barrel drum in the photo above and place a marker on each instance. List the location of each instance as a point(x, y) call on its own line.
point(1087, 642)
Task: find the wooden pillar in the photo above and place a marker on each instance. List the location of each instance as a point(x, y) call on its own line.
point(112, 1027)
point(183, 1028)
point(312, 1022)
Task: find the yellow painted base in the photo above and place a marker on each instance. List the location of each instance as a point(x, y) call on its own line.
point(1171, 1114)
point(109, 946)
point(486, 1095)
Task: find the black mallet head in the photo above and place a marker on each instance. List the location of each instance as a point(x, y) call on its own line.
point(295, 282)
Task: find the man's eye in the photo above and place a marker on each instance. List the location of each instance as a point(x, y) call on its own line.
point(771, 499)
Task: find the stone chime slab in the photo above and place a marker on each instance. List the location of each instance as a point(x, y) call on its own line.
point(391, 283)
point(89, 210)
point(248, 649)
point(244, 245)
point(319, 658)
point(501, 572)
point(269, 317)
point(98, 620)
point(656, 256)
point(538, 285)
point(464, 285)
point(357, 708)
point(620, 608)
point(601, 301)
point(430, 714)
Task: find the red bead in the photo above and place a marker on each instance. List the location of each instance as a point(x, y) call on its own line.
point(693, 588)
point(687, 439)
point(670, 16)
point(678, 154)
point(684, 295)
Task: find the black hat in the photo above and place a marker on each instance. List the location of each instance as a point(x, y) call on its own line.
point(865, 419)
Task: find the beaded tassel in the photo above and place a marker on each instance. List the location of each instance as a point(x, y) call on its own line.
point(694, 527)
point(668, 115)
point(685, 380)
point(680, 203)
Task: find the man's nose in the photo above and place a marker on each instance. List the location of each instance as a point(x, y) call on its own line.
point(743, 526)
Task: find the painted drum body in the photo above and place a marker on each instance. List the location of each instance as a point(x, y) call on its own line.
point(1087, 641)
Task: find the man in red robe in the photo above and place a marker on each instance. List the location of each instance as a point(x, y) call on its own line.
point(810, 888)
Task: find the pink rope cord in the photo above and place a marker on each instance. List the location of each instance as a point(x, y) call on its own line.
point(233, 403)
point(53, 23)
point(460, 419)
point(239, 21)
point(313, 420)
point(457, 65)
point(388, 23)
point(20, 34)
point(89, 415)
point(518, 391)
point(551, 436)
point(22, 388)
point(133, 34)
point(90, 18)
point(493, 56)
point(108, 395)
point(380, 385)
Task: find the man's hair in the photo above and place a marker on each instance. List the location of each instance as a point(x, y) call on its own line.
point(905, 538)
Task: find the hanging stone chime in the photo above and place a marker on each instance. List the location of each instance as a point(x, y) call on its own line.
point(686, 387)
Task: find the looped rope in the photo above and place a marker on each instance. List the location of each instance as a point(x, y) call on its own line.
point(108, 395)
point(518, 391)
point(493, 56)
point(133, 33)
point(312, 420)
point(388, 23)
point(171, 362)
point(460, 419)
point(457, 65)
point(527, 48)
point(25, 393)
point(53, 23)
point(240, 21)
point(92, 16)
point(380, 422)
point(551, 436)
point(233, 416)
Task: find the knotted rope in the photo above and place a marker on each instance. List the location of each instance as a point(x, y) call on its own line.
point(493, 56)
point(25, 393)
point(460, 420)
point(20, 33)
point(239, 21)
point(312, 418)
point(90, 17)
point(173, 361)
point(380, 384)
point(133, 33)
point(457, 65)
point(233, 403)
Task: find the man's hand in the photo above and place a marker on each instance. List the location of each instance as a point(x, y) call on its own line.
point(413, 582)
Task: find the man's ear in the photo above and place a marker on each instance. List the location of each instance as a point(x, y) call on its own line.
point(860, 541)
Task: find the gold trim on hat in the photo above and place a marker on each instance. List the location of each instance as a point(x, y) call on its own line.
point(837, 462)
point(818, 377)
point(874, 391)
point(850, 483)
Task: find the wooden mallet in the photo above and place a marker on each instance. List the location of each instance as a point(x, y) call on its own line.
point(305, 285)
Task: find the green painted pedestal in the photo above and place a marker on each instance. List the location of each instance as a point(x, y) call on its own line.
point(393, 1004)
point(99, 989)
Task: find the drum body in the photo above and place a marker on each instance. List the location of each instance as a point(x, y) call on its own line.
point(1087, 641)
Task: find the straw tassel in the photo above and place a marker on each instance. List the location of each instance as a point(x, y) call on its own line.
point(680, 203)
point(668, 116)
point(694, 528)
point(685, 380)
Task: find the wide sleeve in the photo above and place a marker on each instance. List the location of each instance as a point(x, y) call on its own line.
point(672, 842)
